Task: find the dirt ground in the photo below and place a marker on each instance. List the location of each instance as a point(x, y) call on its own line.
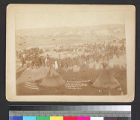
point(78, 83)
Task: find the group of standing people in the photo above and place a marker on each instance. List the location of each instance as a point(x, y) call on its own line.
point(33, 58)
point(96, 53)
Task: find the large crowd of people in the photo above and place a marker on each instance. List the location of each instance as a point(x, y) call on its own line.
point(85, 54)
point(45, 67)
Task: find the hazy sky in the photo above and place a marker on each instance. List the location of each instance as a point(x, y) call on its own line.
point(59, 16)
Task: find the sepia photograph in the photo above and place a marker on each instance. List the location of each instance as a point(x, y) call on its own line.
point(70, 53)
